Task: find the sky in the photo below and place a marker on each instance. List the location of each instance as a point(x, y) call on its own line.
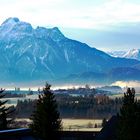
point(104, 24)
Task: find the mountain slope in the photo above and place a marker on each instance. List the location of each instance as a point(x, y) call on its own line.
point(116, 53)
point(29, 54)
point(124, 73)
point(133, 54)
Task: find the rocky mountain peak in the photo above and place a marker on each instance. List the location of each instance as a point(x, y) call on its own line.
point(134, 54)
point(56, 34)
point(11, 21)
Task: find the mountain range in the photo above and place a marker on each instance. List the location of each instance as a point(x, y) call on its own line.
point(44, 54)
point(131, 54)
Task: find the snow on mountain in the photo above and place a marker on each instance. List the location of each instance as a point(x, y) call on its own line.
point(29, 54)
point(133, 54)
point(117, 53)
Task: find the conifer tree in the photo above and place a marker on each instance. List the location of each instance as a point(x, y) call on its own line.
point(45, 120)
point(129, 117)
point(104, 121)
point(4, 113)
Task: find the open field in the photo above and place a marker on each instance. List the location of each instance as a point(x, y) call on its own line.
point(75, 124)
point(13, 101)
point(81, 124)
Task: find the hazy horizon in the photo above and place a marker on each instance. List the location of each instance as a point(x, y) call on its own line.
point(34, 86)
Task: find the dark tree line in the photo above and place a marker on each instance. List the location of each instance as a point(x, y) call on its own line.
point(5, 113)
point(76, 107)
point(25, 108)
point(88, 106)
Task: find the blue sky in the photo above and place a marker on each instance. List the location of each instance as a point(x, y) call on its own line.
point(103, 24)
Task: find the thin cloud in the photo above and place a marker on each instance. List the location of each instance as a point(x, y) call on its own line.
point(71, 13)
point(127, 84)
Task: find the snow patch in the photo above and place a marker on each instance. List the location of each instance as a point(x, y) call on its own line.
point(133, 54)
point(66, 56)
point(9, 46)
point(23, 50)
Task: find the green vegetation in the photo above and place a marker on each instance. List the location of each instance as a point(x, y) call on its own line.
point(88, 106)
point(46, 121)
point(104, 121)
point(4, 113)
point(129, 117)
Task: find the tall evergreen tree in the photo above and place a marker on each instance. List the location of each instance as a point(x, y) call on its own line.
point(4, 112)
point(45, 120)
point(129, 117)
point(104, 121)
